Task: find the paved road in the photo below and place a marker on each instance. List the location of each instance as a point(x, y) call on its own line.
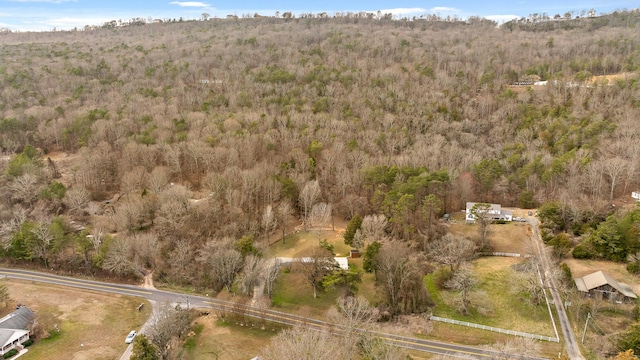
point(571, 343)
point(435, 347)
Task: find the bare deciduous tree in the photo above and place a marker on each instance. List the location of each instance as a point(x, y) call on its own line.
point(181, 259)
point(400, 273)
point(517, 346)
point(355, 311)
point(9, 227)
point(308, 196)
point(270, 275)
point(320, 218)
point(302, 343)
point(43, 238)
point(614, 168)
point(254, 267)
point(119, 257)
point(222, 261)
point(269, 220)
point(464, 282)
point(158, 179)
point(528, 280)
point(373, 228)
point(76, 198)
point(376, 348)
point(452, 250)
point(480, 212)
point(25, 188)
point(168, 325)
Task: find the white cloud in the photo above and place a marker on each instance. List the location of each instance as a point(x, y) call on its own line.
point(189, 4)
point(501, 18)
point(64, 23)
point(446, 9)
point(44, 1)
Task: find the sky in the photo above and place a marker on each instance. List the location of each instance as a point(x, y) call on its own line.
point(47, 15)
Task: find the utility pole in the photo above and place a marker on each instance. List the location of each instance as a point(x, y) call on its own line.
point(585, 326)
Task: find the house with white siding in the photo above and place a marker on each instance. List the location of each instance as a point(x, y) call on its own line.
point(15, 329)
point(495, 212)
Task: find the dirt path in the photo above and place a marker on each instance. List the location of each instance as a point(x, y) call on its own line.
point(148, 281)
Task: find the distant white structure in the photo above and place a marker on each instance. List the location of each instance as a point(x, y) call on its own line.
point(343, 262)
point(495, 212)
point(636, 195)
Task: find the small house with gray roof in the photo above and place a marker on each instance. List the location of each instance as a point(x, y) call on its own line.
point(15, 329)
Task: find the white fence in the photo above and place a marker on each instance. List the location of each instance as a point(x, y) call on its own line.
point(505, 254)
point(494, 329)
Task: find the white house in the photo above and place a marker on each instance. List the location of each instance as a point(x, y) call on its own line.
point(341, 262)
point(495, 212)
point(15, 329)
point(636, 195)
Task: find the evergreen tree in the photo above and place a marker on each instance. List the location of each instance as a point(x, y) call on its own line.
point(143, 349)
point(352, 227)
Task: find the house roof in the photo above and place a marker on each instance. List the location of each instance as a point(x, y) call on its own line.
point(599, 278)
point(7, 336)
point(342, 262)
point(495, 207)
point(19, 319)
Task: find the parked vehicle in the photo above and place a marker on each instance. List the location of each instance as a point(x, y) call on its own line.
point(130, 337)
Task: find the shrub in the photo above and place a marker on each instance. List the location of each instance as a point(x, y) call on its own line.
point(27, 343)
point(9, 354)
point(441, 276)
point(582, 252)
point(566, 271)
point(633, 267)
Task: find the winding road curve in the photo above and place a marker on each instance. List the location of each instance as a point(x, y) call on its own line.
point(435, 347)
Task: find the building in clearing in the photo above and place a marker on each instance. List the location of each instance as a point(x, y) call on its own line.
point(15, 329)
point(495, 212)
point(602, 286)
point(636, 195)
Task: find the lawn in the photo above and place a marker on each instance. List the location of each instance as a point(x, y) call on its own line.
point(294, 294)
point(91, 325)
point(218, 339)
point(493, 303)
point(302, 243)
point(512, 237)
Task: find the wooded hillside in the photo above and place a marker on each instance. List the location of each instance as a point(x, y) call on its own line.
point(220, 129)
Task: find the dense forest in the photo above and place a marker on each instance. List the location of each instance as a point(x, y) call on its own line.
point(202, 139)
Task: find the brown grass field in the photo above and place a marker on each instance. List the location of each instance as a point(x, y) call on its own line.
point(91, 325)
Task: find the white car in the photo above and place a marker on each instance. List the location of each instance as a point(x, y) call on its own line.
point(130, 337)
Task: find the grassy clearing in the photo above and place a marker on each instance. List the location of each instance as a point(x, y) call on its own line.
point(229, 339)
point(90, 325)
point(493, 303)
point(294, 294)
point(510, 237)
point(302, 243)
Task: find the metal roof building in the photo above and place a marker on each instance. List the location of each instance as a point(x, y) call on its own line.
point(601, 283)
